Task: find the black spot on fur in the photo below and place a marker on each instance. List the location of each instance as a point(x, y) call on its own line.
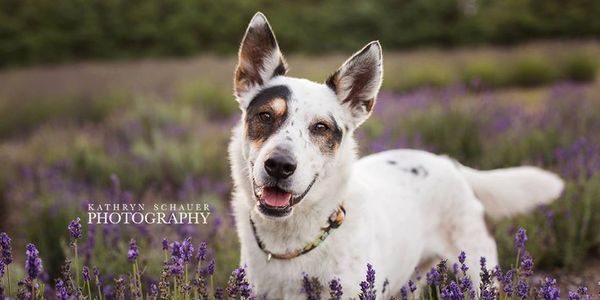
point(418, 171)
point(391, 162)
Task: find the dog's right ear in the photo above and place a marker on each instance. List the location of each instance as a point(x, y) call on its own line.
point(259, 58)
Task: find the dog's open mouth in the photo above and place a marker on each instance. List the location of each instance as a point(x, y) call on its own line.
point(276, 202)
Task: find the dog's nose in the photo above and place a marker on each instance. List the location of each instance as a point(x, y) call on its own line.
point(280, 166)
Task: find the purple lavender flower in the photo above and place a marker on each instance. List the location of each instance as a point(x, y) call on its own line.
point(97, 275)
point(1, 269)
point(507, 283)
point(573, 295)
point(452, 292)
point(520, 240)
point(202, 251)
point(486, 277)
point(311, 287)
point(498, 272)
point(219, 294)
point(187, 249)
point(367, 287)
point(133, 251)
point(584, 292)
point(527, 265)
point(61, 290)
point(404, 293)
point(5, 246)
point(522, 289)
point(165, 244)
point(75, 228)
point(153, 290)
point(488, 295)
point(462, 256)
point(466, 286)
point(176, 266)
point(335, 289)
point(85, 272)
point(237, 285)
point(433, 277)
point(209, 270)
point(549, 290)
point(33, 262)
point(364, 288)
point(412, 286)
point(455, 269)
point(176, 250)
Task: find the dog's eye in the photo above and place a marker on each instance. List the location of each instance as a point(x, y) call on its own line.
point(320, 127)
point(265, 116)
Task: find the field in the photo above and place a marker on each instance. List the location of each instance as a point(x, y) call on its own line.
point(157, 130)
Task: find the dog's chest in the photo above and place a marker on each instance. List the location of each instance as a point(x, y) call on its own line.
point(283, 278)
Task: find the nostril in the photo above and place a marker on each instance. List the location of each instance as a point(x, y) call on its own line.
point(270, 164)
point(288, 169)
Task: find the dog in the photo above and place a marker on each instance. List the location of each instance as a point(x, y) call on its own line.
point(305, 204)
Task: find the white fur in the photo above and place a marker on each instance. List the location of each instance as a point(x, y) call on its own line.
point(510, 191)
point(405, 208)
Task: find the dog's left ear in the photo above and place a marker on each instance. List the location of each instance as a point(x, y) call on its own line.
point(357, 82)
point(259, 57)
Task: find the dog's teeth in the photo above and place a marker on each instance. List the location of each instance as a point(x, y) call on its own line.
point(258, 191)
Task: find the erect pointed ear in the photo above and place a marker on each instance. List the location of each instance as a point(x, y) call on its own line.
point(357, 82)
point(259, 57)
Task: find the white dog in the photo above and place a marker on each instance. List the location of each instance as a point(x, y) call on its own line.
point(304, 203)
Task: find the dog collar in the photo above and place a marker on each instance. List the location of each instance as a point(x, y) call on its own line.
point(334, 221)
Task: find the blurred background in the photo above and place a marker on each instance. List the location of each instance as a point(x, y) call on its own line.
point(131, 101)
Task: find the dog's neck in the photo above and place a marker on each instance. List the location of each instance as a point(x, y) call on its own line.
point(283, 235)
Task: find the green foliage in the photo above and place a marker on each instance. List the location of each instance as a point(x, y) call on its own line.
point(514, 148)
point(215, 102)
point(487, 73)
point(451, 132)
point(422, 77)
point(33, 32)
point(580, 67)
point(532, 71)
point(27, 114)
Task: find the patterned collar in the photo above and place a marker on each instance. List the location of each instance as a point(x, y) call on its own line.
point(335, 220)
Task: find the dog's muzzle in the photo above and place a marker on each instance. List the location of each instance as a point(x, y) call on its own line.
point(274, 201)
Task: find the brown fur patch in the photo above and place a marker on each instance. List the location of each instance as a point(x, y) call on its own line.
point(329, 140)
point(272, 100)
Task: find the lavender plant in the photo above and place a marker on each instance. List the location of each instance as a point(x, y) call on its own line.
point(177, 282)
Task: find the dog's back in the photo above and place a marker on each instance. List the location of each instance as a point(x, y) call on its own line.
point(433, 201)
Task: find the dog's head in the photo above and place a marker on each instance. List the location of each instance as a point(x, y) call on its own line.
point(297, 133)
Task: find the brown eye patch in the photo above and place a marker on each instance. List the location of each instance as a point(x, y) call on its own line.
point(326, 134)
point(266, 113)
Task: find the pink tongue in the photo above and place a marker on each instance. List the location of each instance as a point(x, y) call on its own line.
point(276, 197)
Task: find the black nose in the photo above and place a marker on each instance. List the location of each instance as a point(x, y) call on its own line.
point(280, 166)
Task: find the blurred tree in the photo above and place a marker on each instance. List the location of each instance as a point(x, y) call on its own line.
point(34, 31)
